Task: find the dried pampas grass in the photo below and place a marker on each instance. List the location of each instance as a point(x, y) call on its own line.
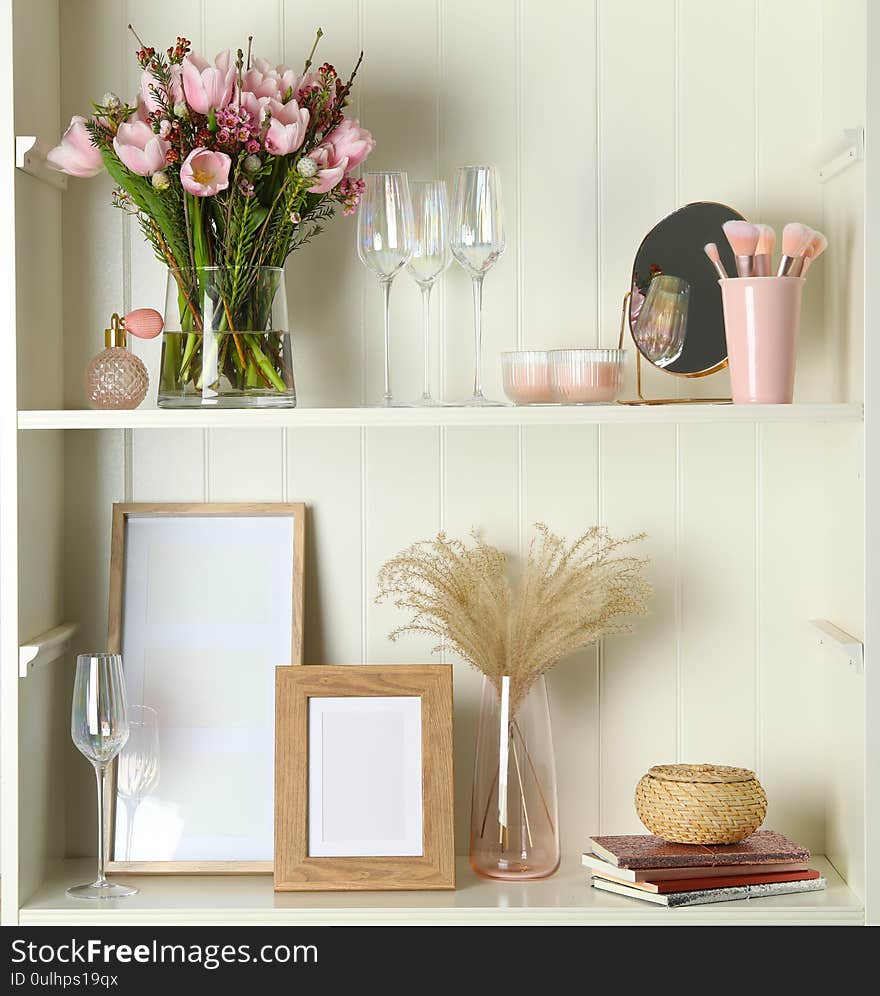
point(568, 597)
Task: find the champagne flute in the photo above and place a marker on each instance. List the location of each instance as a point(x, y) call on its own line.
point(137, 770)
point(385, 243)
point(477, 243)
point(430, 256)
point(99, 728)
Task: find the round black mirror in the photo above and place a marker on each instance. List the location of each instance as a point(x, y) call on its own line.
point(674, 247)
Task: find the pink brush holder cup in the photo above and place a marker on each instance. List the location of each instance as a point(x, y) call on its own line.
point(761, 319)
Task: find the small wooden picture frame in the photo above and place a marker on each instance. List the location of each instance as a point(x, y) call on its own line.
point(206, 600)
point(364, 791)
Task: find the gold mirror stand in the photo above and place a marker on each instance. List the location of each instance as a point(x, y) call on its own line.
point(642, 400)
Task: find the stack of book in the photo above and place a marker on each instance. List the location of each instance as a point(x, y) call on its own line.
point(648, 868)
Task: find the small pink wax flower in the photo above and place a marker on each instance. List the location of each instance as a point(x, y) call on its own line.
point(206, 86)
point(76, 155)
point(205, 173)
point(350, 192)
point(287, 128)
point(140, 148)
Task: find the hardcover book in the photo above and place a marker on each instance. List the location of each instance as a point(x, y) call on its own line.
point(600, 867)
point(647, 851)
point(701, 897)
point(727, 881)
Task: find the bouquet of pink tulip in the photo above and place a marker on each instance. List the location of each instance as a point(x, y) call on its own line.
point(228, 166)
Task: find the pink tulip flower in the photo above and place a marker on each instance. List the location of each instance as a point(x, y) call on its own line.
point(257, 106)
point(260, 80)
point(206, 86)
point(287, 129)
point(141, 111)
point(175, 89)
point(349, 139)
point(76, 155)
point(330, 169)
point(347, 146)
point(205, 173)
point(264, 80)
point(140, 148)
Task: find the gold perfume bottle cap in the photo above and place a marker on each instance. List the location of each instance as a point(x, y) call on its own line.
point(115, 335)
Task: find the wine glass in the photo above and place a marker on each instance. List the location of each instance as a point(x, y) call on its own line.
point(430, 256)
point(99, 728)
point(660, 328)
point(137, 770)
point(477, 243)
point(385, 242)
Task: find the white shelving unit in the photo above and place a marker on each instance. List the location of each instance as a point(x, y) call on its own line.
point(755, 515)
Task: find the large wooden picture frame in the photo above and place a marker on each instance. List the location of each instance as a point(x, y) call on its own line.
point(204, 590)
point(380, 700)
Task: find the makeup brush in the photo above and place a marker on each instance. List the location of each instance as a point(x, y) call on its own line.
point(743, 239)
point(711, 250)
point(795, 239)
point(818, 245)
point(764, 251)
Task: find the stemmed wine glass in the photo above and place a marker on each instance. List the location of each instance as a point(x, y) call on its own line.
point(385, 242)
point(477, 243)
point(137, 770)
point(99, 728)
point(430, 256)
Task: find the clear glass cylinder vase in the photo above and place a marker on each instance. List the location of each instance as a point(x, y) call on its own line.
point(514, 823)
point(226, 341)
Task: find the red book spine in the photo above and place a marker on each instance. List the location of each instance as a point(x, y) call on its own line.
point(729, 882)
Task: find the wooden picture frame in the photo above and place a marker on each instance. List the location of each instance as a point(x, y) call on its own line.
point(256, 697)
point(296, 692)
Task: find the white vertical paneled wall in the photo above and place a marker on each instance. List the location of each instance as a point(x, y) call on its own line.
point(602, 118)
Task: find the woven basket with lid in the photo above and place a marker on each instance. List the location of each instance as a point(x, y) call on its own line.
point(700, 803)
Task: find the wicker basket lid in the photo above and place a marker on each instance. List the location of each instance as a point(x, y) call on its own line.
point(700, 773)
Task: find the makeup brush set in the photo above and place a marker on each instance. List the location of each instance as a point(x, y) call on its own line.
point(753, 247)
point(762, 307)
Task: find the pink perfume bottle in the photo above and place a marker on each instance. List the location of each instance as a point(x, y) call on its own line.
point(116, 378)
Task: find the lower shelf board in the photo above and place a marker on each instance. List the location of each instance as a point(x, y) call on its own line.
point(564, 899)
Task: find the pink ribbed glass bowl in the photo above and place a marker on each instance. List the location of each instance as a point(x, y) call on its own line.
point(525, 374)
point(586, 376)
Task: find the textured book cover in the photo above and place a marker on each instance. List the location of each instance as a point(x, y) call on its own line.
point(600, 867)
point(726, 881)
point(704, 896)
point(647, 851)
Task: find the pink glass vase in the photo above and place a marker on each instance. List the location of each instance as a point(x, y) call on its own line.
point(514, 824)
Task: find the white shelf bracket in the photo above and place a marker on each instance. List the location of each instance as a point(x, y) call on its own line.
point(844, 643)
point(854, 138)
point(30, 157)
point(46, 647)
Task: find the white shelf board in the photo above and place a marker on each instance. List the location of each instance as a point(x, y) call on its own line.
point(159, 418)
point(564, 899)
